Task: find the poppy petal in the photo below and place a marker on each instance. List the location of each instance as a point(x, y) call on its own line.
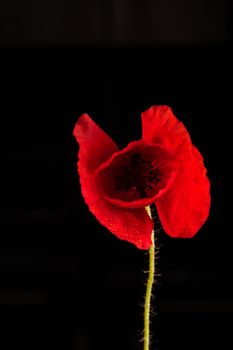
point(95, 145)
point(133, 225)
point(184, 208)
point(160, 126)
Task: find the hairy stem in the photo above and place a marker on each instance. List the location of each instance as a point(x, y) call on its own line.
point(149, 287)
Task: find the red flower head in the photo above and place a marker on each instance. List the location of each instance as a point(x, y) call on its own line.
point(163, 168)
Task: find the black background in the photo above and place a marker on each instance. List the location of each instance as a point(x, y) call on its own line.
point(66, 282)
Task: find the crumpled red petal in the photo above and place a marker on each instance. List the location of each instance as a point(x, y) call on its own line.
point(95, 145)
point(185, 206)
point(133, 225)
point(159, 125)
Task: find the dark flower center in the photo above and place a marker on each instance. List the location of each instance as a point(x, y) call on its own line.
point(138, 177)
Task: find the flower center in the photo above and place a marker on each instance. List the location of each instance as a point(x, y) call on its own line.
point(138, 177)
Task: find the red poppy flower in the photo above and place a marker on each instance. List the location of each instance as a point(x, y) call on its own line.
point(163, 168)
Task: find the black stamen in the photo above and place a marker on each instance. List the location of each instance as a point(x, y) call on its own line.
point(138, 176)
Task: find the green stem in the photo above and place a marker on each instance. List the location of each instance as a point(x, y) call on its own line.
point(149, 287)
